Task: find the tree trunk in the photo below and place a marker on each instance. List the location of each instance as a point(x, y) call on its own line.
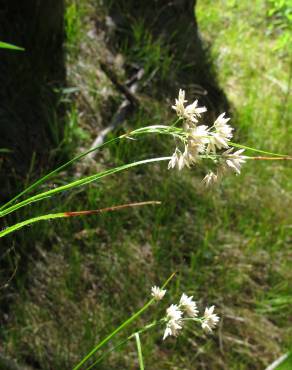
point(175, 22)
point(28, 81)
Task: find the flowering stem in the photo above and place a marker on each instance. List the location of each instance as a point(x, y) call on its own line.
point(255, 150)
point(270, 158)
point(119, 328)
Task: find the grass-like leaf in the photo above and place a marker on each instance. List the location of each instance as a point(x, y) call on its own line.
point(139, 350)
point(51, 216)
point(77, 183)
point(6, 45)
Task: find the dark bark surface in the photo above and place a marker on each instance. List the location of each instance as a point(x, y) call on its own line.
point(28, 82)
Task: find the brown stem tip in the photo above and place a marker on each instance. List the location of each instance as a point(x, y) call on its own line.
point(109, 209)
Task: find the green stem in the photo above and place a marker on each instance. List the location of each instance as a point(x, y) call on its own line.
point(146, 328)
point(256, 150)
point(119, 328)
point(139, 350)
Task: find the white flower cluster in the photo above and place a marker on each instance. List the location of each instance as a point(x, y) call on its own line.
point(157, 293)
point(201, 140)
point(187, 306)
point(210, 319)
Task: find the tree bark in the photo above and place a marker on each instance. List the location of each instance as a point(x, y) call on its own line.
point(28, 80)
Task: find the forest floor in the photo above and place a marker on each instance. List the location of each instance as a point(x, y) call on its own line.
point(230, 245)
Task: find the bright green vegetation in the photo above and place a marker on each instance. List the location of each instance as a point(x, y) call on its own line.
point(5, 45)
point(78, 279)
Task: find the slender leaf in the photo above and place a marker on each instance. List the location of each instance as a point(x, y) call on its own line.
point(77, 183)
point(5, 45)
point(51, 216)
point(139, 350)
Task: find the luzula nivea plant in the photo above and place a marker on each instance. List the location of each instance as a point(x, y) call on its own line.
point(186, 310)
point(203, 142)
point(176, 317)
point(195, 143)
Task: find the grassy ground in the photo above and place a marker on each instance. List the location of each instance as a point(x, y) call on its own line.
point(230, 245)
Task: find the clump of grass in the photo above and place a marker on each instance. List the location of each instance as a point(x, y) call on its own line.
point(151, 54)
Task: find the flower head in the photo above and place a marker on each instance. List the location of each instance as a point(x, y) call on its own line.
point(179, 106)
point(210, 179)
point(174, 322)
point(199, 137)
point(185, 159)
point(172, 328)
point(221, 126)
point(176, 160)
point(157, 293)
point(188, 305)
point(191, 112)
point(234, 160)
point(210, 319)
point(173, 312)
point(221, 135)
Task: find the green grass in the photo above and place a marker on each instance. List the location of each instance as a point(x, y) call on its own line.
point(78, 279)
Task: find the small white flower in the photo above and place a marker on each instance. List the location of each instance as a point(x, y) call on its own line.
point(172, 328)
point(157, 293)
point(190, 155)
point(188, 305)
point(174, 158)
point(210, 179)
point(179, 106)
point(216, 141)
point(222, 128)
point(174, 313)
point(199, 136)
point(235, 160)
point(174, 322)
point(193, 112)
point(210, 319)
point(180, 159)
point(221, 136)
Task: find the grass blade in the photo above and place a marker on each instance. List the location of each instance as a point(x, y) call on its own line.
point(77, 183)
point(55, 171)
point(139, 350)
point(155, 129)
point(51, 216)
point(5, 45)
point(100, 358)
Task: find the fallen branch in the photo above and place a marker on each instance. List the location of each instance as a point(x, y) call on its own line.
point(125, 107)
